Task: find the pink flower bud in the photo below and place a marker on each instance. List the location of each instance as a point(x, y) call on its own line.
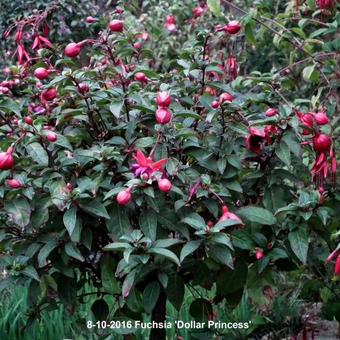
point(164, 185)
point(28, 120)
point(321, 143)
point(116, 26)
point(141, 77)
point(72, 49)
point(215, 104)
point(232, 27)
point(163, 115)
point(13, 184)
point(49, 94)
point(69, 187)
point(259, 254)
point(337, 266)
point(226, 97)
point(271, 112)
point(41, 73)
point(163, 99)
point(321, 118)
point(52, 137)
point(91, 20)
point(124, 197)
point(6, 159)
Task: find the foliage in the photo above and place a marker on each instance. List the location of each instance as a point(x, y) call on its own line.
point(248, 156)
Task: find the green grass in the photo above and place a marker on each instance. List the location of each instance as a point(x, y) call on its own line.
point(60, 324)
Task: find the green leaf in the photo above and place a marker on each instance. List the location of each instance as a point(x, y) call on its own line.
point(168, 242)
point(258, 215)
point(283, 152)
point(116, 108)
point(100, 310)
point(117, 246)
point(31, 272)
point(38, 154)
point(45, 251)
point(310, 73)
point(189, 248)
point(214, 6)
point(195, 221)
point(107, 270)
point(70, 219)
point(19, 211)
point(175, 291)
point(249, 32)
point(94, 207)
point(200, 309)
point(128, 283)
point(144, 142)
point(232, 280)
point(166, 253)
point(221, 254)
point(298, 240)
point(72, 251)
point(118, 224)
point(148, 224)
point(150, 296)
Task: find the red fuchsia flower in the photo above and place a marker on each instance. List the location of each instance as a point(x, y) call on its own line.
point(337, 266)
point(255, 140)
point(164, 185)
point(259, 254)
point(163, 115)
point(271, 112)
point(227, 215)
point(124, 197)
point(41, 73)
point(333, 255)
point(198, 11)
point(146, 165)
point(41, 42)
point(325, 4)
point(325, 156)
point(170, 24)
point(226, 98)
point(321, 118)
point(23, 56)
point(116, 26)
point(13, 183)
point(141, 77)
point(6, 159)
point(232, 27)
point(232, 67)
point(163, 99)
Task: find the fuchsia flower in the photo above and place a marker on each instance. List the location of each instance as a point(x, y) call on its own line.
point(146, 165)
point(255, 140)
point(199, 11)
point(41, 42)
point(6, 159)
point(232, 67)
point(227, 215)
point(170, 23)
point(325, 4)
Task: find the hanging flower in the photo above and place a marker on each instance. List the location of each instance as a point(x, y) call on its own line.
point(146, 165)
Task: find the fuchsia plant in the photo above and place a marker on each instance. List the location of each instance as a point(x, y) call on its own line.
point(161, 154)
